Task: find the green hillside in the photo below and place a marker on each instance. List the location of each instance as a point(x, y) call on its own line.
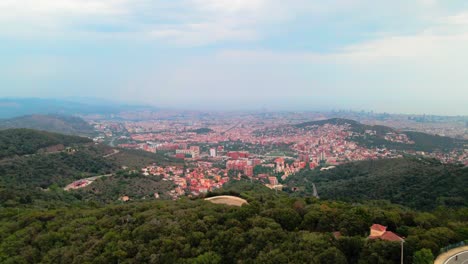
point(26, 141)
point(270, 229)
point(42, 223)
point(69, 125)
point(134, 185)
point(422, 141)
point(35, 179)
point(417, 183)
point(355, 125)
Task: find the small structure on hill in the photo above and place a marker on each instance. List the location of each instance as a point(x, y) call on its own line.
point(227, 200)
point(380, 232)
point(124, 198)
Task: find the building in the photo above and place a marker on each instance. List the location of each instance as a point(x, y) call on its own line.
point(279, 164)
point(380, 232)
point(238, 154)
point(195, 150)
point(256, 162)
point(248, 170)
point(213, 152)
point(124, 198)
point(273, 180)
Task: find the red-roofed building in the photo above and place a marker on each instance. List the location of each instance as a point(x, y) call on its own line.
point(377, 230)
point(337, 234)
point(273, 180)
point(390, 236)
point(380, 232)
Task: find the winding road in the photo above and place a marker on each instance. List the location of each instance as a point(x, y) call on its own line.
point(459, 258)
point(455, 256)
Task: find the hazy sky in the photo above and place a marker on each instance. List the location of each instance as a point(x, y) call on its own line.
point(395, 56)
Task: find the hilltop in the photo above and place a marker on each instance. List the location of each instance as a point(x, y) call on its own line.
point(374, 136)
point(34, 161)
point(69, 125)
point(355, 125)
point(26, 141)
point(415, 182)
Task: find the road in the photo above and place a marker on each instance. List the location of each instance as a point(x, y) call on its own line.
point(462, 258)
point(450, 257)
point(116, 151)
point(232, 127)
point(89, 180)
point(111, 143)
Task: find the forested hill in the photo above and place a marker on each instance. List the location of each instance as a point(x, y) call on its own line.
point(26, 141)
point(414, 182)
point(422, 141)
point(69, 125)
point(355, 125)
point(32, 180)
point(271, 229)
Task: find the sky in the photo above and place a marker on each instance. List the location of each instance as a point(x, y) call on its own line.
point(395, 56)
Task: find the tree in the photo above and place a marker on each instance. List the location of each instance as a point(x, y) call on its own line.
point(423, 256)
point(331, 256)
point(207, 258)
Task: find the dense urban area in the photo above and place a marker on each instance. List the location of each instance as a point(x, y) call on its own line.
point(269, 147)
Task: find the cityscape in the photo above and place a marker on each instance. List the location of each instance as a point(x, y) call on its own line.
point(217, 149)
point(233, 132)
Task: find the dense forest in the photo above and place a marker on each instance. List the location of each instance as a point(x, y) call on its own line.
point(26, 141)
point(415, 182)
point(39, 179)
point(270, 229)
point(132, 184)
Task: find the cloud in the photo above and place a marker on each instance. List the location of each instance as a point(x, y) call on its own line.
point(418, 72)
point(203, 21)
point(230, 6)
point(201, 51)
point(201, 33)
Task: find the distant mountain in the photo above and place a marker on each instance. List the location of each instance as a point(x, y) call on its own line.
point(14, 107)
point(414, 182)
point(422, 141)
point(69, 125)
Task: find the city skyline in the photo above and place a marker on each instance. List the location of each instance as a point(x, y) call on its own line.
point(393, 57)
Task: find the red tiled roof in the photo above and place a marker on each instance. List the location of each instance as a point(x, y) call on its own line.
point(379, 227)
point(390, 236)
point(279, 160)
point(337, 234)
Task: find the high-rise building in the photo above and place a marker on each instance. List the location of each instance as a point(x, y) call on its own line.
point(248, 171)
point(212, 152)
point(195, 151)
